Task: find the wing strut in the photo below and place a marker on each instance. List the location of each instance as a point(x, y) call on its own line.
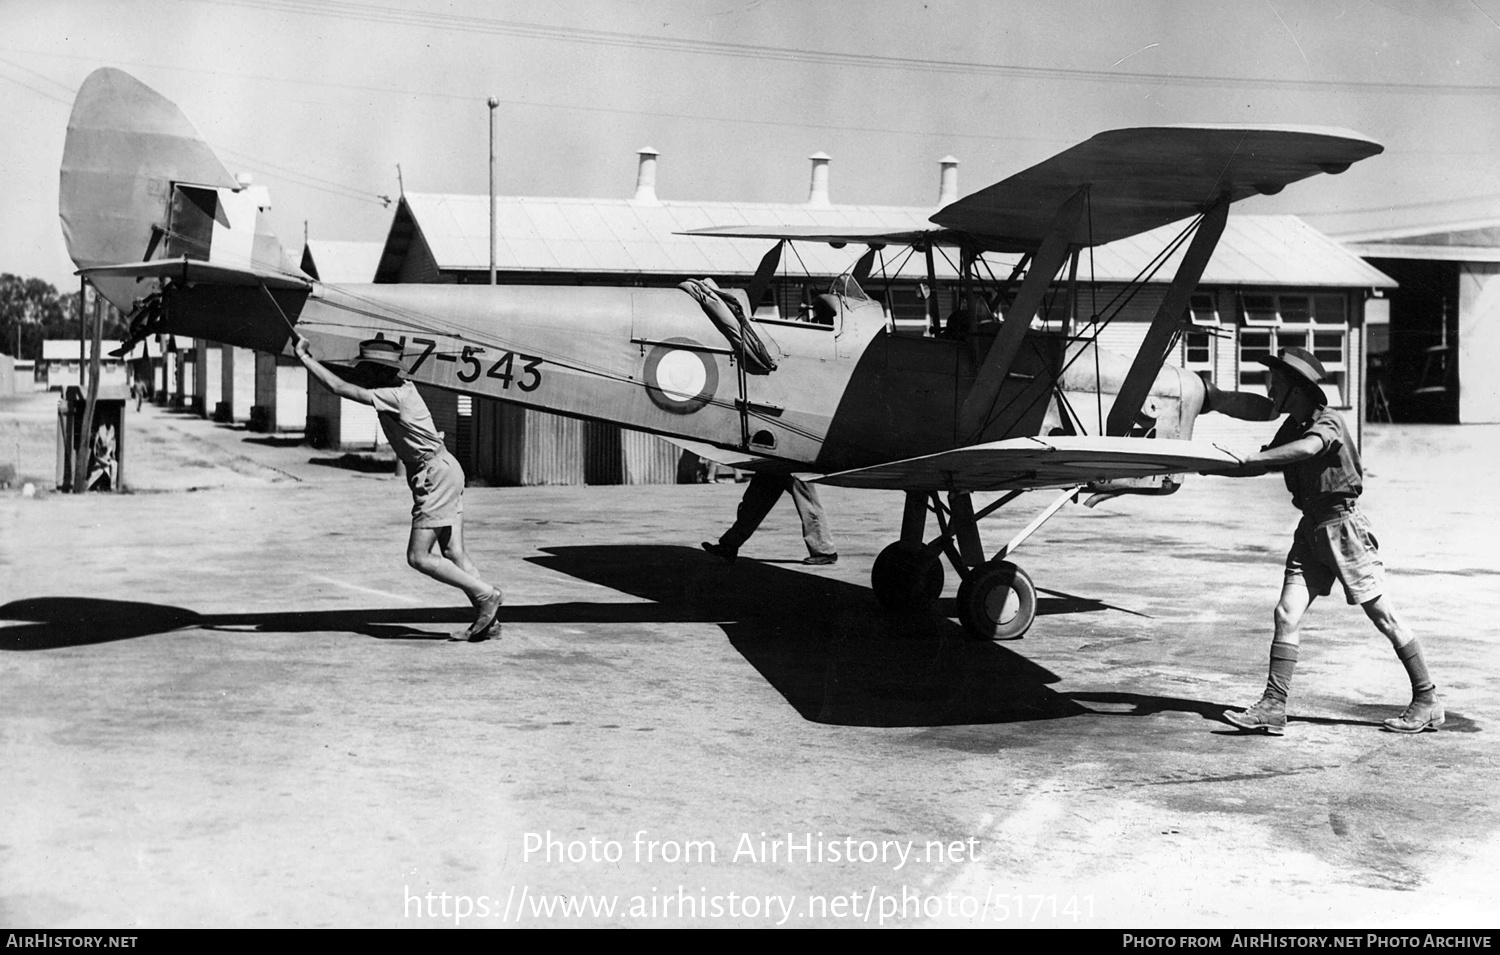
point(1153, 351)
point(1054, 250)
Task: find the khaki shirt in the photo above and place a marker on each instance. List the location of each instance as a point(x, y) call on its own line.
point(1333, 478)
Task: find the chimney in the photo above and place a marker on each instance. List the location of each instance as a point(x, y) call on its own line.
point(645, 175)
point(947, 181)
point(817, 194)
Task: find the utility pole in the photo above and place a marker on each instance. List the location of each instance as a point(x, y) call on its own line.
point(83, 287)
point(493, 103)
point(91, 395)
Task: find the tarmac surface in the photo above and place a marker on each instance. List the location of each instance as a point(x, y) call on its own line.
point(226, 701)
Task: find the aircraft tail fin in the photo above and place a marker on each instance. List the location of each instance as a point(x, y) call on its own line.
point(139, 184)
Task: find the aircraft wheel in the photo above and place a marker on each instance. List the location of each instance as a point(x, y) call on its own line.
point(997, 601)
point(906, 576)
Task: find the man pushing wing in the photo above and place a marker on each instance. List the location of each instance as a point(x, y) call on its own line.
point(1333, 542)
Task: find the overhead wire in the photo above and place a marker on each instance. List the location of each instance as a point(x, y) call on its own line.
point(371, 13)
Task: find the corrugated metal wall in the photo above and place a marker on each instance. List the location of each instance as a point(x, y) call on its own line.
point(603, 460)
point(444, 408)
point(544, 448)
point(648, 459)
point(520, 446)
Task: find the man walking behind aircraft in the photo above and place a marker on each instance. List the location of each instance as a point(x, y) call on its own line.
point(435, 477)
point(762, 493)
point(1333, 541)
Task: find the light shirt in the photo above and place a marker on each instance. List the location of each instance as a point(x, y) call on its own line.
point(407, 423)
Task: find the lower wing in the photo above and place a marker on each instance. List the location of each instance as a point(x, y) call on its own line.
point(1025, 463)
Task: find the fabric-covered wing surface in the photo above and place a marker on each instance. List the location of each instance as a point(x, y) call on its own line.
point(1036, 463)
point(831, 234)
point(1146, 177)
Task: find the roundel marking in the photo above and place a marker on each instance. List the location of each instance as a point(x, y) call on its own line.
point(680, 378)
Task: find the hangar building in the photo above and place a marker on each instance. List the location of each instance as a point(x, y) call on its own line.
point(1433, 364)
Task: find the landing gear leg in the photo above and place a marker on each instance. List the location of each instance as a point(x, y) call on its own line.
point(996, 600)
point(908, 575)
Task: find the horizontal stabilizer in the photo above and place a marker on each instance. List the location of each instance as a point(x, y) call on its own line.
point(1027, 463)
point(191, 271)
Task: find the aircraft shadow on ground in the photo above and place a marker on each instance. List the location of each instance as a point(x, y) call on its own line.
point(825, 645)
point(51, 623)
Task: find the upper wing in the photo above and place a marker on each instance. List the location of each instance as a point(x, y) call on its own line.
point(835, 235)
point(1138, 178)
point(1036, 463)
point(1146, 177)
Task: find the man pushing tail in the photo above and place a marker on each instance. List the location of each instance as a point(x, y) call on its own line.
point(436, 545)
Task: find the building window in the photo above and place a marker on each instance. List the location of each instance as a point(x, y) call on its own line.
point(1255, 344)
point(1198, 341)
point(1259, 310)
point(1330, 310)
point(1202, 310)
point(1317, 323)
point(908, 308)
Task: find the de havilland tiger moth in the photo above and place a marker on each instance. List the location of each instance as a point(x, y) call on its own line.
point(989, 399)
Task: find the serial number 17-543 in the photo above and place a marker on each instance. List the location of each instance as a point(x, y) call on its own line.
point(524, 371)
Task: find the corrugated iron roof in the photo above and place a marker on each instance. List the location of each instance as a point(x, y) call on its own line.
point(342, 262)
point(1466, 241)
point(539, 234)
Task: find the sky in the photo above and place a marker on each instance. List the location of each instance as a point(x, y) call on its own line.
point(323, 100)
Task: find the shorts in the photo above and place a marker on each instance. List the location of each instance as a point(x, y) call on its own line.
point(437, 492)
point(1342, 548)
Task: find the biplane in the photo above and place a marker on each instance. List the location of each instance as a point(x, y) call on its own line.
point(988, 398)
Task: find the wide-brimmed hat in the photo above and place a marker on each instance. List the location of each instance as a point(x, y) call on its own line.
point(1305, 369)
point(379, 351)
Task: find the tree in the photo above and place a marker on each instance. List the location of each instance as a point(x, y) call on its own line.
point(31, 306)
point(35, 308)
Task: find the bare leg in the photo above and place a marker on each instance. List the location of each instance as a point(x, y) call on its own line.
point(1383, 615)
point(420, 556)
point(451, 542)
point(1287, 618)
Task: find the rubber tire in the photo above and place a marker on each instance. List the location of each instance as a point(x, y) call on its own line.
point(906, 576)
point(997, 602)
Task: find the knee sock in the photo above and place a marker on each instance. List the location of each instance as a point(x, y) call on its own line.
point(1410, 655)
point(1283, 662)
